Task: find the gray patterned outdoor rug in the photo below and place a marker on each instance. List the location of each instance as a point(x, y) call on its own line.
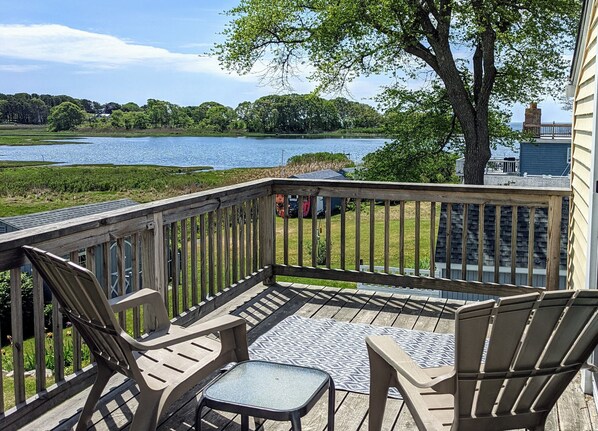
point(339, 348)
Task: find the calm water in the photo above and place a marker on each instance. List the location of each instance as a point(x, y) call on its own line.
point(218, 152)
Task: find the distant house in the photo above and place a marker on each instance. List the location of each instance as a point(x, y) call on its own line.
point(545, 157)
point(544, 160)
point(11, 224)
point(504, 247)
point(325, 174)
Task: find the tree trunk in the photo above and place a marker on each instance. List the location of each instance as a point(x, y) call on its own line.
point(477, 145)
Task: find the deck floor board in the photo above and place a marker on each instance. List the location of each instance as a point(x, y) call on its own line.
point(263, 308)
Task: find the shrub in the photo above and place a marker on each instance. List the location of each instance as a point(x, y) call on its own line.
point(27, 298)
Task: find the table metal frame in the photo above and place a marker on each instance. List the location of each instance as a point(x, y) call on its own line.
point(294, 416)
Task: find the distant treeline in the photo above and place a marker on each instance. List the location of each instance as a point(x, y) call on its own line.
point(292, 113)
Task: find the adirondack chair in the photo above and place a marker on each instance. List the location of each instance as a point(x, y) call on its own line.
point(534, 345)
point(165, 364)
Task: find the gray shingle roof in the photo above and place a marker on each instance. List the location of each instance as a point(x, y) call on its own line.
point(48, 217)
point(523, 213)
point(325, 174)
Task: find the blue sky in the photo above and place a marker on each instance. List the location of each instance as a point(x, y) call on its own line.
point(133, 50)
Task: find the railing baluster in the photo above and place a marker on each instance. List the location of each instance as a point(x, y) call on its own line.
point(328, 231)
point(241, 224)
point(402, 237)
point(219, 251)
point(300, 231)
point(38, 331)
point(255, 214)
point(530, 246)
point(497, 254)
point(417, 235)
point(16, 323)
point(184, 266)
point(464, 243)
point(432, 239)
point(481, 233)
point(175, 267)
point(372, 234)
point(203, 258)
point(227, 263)
point(514, 229)
point(235, 241)
point(194, 268)
point(285, 230)
point(314, 230)
point(343, 232)
point(211, 275)
point(167, 250)
point(386, 236)
point(357, 234)
point(449, 232)
point(248, 258)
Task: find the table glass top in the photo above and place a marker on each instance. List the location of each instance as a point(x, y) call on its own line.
point(267, 385)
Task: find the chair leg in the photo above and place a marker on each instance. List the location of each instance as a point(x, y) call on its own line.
point(148, 412)
point(103, 375)
point(380, 379)
point(241, 349)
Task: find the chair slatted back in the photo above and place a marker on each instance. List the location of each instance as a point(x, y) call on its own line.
point(536, 343)
point(81, 299)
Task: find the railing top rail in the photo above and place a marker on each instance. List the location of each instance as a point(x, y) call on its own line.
point(460, 189)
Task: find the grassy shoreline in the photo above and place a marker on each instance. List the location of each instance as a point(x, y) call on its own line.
point(39, 135)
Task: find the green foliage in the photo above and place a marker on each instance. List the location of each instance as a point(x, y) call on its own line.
point(322, 157)
point(65, 116)
point(320, 251)
point(27, 298)
point(401, 162)
point(80, 179)
point(485, 52)
point(427, 137)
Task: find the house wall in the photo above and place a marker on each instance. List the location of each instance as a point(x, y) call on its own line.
point(544, 158)
point(5, 228)
point(582, 158)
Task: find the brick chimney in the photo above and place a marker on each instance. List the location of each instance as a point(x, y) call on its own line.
point(533, 119)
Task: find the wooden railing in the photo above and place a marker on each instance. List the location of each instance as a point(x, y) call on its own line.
point(549, 130)
point(198, 251)
point(201, 250)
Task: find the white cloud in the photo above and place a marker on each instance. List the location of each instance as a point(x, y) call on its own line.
point(18, 68)
point(61, 44)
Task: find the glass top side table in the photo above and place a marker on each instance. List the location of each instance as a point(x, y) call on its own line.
point(268, 390)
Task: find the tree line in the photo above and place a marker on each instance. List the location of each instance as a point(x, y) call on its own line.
point(291, 113)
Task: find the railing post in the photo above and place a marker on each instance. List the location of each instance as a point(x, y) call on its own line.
point(553, 261)
point(16, 322)
point(267, 233)
point(152, 263)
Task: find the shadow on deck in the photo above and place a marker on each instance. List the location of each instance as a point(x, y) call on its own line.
point(264, 307)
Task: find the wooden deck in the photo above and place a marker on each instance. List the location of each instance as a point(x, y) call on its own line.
point(265, 307)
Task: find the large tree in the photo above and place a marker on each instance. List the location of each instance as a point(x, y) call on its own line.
point(483, 51)
point(65, 116)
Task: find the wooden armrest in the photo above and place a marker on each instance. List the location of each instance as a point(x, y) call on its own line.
point(178, 334)
point(143, 297)
point(392, 353)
